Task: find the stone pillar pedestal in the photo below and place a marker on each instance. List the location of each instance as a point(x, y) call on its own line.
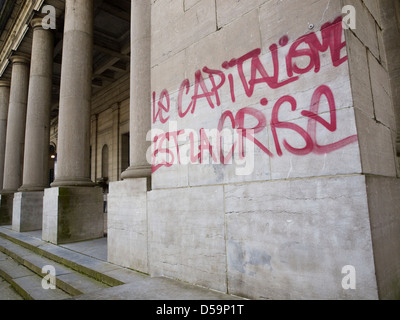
point(27, 211)
point(127, 224)
point(72, 214)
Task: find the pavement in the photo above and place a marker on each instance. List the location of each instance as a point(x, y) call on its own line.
point(89, 258)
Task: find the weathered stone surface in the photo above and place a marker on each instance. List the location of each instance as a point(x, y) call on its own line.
point(169, 20)
point(63, 218)
point(384, 205)
point(291, 239)
point(376, 146)
point(127, 224)
point(187, 235)
point(28, 211)
point(366, 27)
point(380, 84)
point(359, 75)
point(293, 18)
point(229, 10)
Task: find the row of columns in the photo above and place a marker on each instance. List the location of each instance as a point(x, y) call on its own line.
point(25, 105)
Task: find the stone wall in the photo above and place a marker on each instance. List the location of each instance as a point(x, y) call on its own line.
point(374, 71)
point(311, 105)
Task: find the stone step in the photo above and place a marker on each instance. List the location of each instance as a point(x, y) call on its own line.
point(7, 293)
point(102, 271)
point(75, 260)
point(26, 282)
point(67, 279)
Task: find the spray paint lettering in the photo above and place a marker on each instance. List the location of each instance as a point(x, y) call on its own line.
point(306, 48)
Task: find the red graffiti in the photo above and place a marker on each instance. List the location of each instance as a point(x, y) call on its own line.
point(238, 123)
point(331, 39)
point(331, 34)
point(207, 87)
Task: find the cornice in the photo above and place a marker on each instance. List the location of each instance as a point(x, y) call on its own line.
point(18, 32)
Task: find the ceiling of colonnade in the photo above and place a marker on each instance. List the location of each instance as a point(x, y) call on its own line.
point(111, 54)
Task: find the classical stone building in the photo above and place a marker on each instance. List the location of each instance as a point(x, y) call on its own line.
point(249, 147)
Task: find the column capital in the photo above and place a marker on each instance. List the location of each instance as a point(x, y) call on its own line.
point(135, 172)
point(37, 23)
point(19, 59)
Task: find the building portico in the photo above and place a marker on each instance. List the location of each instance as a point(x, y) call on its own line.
point(113, 123)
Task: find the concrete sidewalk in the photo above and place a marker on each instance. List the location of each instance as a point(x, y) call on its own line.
point(90, 258)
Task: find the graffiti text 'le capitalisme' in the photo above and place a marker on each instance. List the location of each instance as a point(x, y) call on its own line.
point(308, 47)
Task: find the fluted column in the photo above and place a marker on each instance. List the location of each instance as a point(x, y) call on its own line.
point(13, 165)
point(140, 92)
point(75, 96)
point(37, 140)
point(4, 102)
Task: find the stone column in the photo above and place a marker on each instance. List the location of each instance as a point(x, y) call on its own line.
point(13, 163)
point(72, 209)
point(75, 96)
point(140, 92)
point(4, 101)
point(128, 247)
point(28, 203)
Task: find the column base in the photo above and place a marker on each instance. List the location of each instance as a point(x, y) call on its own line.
point(6, 209)
point(72, 214)
point(67, 182)
point(127, 224)
point(27, 211)
point(137, 172)
point(27, 188)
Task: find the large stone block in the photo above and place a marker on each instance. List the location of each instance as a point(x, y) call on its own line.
point(28, 211)
point(222, 46)
point(72, 214)
point(176, 29)
point(187, 235)
point(384, 207)
point(127, 224)
point(366, 26)
point(290, 239)
point(229, 10)
point(381, 92)
point(359, 74)
point(376, 146)
point(293, 18)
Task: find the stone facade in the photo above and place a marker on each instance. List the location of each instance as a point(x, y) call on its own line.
point(302, 182)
